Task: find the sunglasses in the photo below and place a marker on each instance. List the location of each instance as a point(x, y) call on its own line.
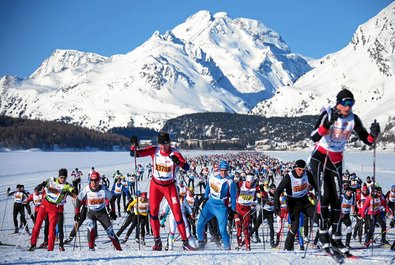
point(63, 178)
point(347, 102)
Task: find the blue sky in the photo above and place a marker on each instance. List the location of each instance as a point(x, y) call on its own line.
point(31, 29)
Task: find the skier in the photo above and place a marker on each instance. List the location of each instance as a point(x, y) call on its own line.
point(117, 175)
point(36, 197)
point(186, 212)
point(390, 199)
point(267, 213)
point(142, 213)
point(105, 181)
point(297, 185)
point(246, 197)
point(76, 174)
point(140, 172)
point(19, 208)
point(94, 196)
point(359, 227)
point(220, 192)
point(282, 216)
point(118, 189)
point(166, 160)
point(348, 203)
point(330, 134)
point(372, 207)
point(203, 176)
point(149, 170)
point(55, 190)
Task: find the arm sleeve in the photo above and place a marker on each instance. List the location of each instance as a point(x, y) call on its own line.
point(207, 192)
point(183, 163)
point(41, 185)
point(148, 151)
point(362, 132)
point(283, 184)
point(233, 192)
point(319, 129)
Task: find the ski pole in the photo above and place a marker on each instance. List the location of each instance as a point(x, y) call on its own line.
point(5, 209)
point(76, 230)
point(137, 198)
point(263, 227)
point(19, 239)
point(374, 179)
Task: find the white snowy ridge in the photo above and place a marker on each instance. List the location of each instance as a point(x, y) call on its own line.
point(208, 63)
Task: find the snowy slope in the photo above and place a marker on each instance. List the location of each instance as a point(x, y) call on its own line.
point(38, 166)
point(208, 63)
point(366, 66)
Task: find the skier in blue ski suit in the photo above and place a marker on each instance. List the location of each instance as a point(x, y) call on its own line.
point(221, 189)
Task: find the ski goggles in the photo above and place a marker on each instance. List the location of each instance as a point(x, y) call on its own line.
point(347, 102)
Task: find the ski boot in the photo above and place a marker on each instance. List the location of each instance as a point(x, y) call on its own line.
point(16, 231)
point(32, 247)
point(91, 249)
point(44, 245)
point(68, 240)
point(201, 244)
point(158, 244)
point(125, 240)
point(27, 231)
point(257, 239)
point(61, 248)
point(385, 241)
point(338, 244)
point(272, 244)
point(142, 241)
point(186, 246)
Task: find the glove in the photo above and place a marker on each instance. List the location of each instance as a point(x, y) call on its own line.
point(175, 159)
point(113, 216)
point(192, 217)
point(77, 217)
point(277, 210)
point(134, 140)
point(333, 117)
point(161, 216)
point(8, 191)
point(375, 129)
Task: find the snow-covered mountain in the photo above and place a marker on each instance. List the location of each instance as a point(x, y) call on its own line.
point(208, 63)
point(366, 66)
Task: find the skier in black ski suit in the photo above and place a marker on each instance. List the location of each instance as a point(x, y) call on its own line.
point(333, 129)
point(297, 185)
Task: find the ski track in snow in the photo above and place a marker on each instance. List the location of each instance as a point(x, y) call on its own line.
point(32, 170)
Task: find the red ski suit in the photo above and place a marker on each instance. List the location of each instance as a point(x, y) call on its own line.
point(163, 184)
point(54, 194)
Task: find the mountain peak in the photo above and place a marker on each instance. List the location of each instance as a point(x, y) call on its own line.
point(62, 60)
point(237, 62)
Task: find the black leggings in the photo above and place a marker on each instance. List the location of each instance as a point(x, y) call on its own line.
point(330, 190)
point(19, 208)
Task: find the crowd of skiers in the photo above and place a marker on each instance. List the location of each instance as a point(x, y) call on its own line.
point(217, 194)
point(240, 195)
